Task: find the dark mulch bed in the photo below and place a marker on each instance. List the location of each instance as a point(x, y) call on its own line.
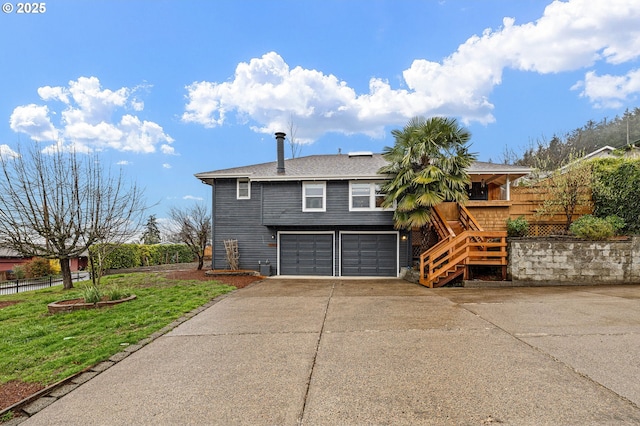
point(8, 303)
point(238, 281)
point(16, 391)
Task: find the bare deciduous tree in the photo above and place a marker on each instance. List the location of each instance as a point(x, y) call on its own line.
point(192, 226)
point(568, 190)
point(56, 204)
point(294, 144)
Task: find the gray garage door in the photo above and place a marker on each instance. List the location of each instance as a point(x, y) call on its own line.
point(306, 254)
point(374, 255)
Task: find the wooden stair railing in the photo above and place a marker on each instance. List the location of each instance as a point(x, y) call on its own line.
point(426, 258)
point(441, 225)
point(451, 257)
point(468, 220)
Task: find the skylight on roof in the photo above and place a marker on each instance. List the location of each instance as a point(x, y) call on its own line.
point(361, 154)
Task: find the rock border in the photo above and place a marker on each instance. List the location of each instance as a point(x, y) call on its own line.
point(78, 304)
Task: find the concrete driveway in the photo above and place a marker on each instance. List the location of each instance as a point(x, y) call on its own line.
point(362, 352)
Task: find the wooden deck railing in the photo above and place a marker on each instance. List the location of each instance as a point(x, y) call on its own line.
point(453, 255)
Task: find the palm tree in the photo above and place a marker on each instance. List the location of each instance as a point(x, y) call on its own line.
point(428, 165)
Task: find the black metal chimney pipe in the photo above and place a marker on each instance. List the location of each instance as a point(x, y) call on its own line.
point(280, 141)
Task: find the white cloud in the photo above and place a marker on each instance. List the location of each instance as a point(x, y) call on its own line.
point(192, 197)
point(571, 35)
point(61, 147)
point(610, 91)
point(87, 122)
point(167, 149)
point(124, 163)
point(48, 93)
point(33, 120)
point(166, 166)
point(6, 152)
point(137, 105)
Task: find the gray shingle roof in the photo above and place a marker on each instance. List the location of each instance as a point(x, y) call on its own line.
point(6, 252)
point(337, 167)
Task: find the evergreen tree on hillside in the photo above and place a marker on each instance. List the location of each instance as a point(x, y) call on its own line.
point(619, 132)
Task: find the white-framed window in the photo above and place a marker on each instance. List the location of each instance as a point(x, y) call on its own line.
point(243, 189)
point(365, 196)
point(314, 196)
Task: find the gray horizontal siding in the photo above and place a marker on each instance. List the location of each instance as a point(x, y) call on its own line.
point(277, 207)
point(282, 206)
point(240, 220)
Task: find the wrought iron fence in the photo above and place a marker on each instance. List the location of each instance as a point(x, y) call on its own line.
point(28, 284)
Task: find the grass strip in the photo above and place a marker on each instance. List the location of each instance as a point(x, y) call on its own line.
point(38, 347)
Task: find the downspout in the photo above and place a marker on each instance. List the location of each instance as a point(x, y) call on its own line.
point(213, 224)
point(409, 249)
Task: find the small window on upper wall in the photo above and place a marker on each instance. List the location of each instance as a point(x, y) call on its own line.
point(365, 196)
point(360, 196)
point(314, 196)
point(244, 189)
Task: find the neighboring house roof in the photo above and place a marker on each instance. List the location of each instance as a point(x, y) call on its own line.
point(5, 252)
point(609, 151)
point(338, 167)
point(605, 152)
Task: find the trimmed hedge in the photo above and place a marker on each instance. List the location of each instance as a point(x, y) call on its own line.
point(124, 256)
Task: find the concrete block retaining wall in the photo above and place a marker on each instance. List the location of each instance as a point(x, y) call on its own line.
point(540, 261)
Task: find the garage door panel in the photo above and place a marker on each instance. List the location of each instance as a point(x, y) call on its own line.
point(306, 254)
point(387, 263)
point(369, 254)
point(349, 245)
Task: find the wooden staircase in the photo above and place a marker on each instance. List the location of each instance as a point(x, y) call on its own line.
point(463, 243)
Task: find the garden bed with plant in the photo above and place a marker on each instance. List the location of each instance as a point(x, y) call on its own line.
point(40, 349)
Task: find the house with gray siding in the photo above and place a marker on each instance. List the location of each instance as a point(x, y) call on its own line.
point(316, 215)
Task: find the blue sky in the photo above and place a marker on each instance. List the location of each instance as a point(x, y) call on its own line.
point(167, 89)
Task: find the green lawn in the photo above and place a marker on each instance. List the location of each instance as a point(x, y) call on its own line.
point(38, 347)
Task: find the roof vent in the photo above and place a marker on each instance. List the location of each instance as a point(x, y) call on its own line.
point(361, 154)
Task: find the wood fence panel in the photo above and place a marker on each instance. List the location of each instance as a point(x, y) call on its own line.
point(526, 200)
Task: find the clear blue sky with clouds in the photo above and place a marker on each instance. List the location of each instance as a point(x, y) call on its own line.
point(166, 89)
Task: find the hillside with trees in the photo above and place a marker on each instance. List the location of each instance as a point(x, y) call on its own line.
point(618, 132)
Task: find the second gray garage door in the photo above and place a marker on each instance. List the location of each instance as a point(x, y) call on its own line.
point(373, 255)
point(306, 254)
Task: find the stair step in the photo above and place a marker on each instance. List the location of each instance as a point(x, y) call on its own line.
point(456, 226)
point(454, 270)
point(442, 280)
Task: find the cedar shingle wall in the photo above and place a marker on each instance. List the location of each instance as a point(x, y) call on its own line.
point(491, 218)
